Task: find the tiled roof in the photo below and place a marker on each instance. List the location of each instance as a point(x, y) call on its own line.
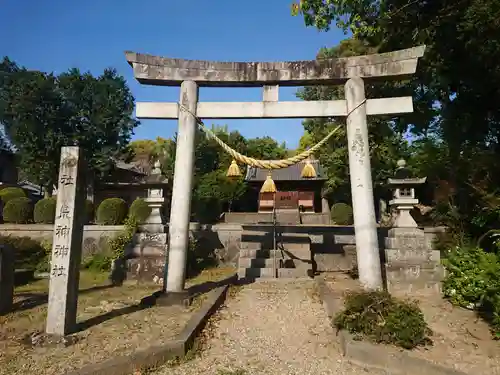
point(291, 173)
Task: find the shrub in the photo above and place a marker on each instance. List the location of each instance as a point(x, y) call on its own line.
point(111, 211)
point(98, 262)
point(473, 282)
point(18, 211)
point(341, 214)
point(470, 272)
point(10, 193)
point(139, 210)
point(43, 264)
point(28, 252)
point(379, 317)
point(490, 307)
point(199, 257)
point(45, 211)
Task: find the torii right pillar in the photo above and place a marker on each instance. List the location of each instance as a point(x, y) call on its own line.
point(363, 205)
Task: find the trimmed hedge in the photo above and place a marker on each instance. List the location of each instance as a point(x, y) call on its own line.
point(45, 211)
point(10, 193)
point(341, 214)
point(111, 211)
point(18, 211)
point(139, 210)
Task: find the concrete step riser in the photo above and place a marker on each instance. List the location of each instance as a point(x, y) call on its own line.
point(268, 245)
point(271, 272)
point(264, 253)
point(258, 263)
point(270, 238)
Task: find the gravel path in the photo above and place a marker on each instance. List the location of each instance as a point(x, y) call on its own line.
point(270, 328)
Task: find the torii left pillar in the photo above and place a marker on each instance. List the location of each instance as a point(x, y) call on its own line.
point(180, 211)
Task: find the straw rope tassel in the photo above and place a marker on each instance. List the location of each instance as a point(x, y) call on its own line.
point(268, 186)
point(233, 170)
point(308, 171)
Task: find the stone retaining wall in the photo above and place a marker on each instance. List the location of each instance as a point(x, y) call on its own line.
point(94, 236)
point(333, 246)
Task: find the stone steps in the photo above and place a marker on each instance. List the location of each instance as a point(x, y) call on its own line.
point(268, 253)
point(257, 254)
point(259, 262)
point(257, 273)
point(257, 236)
point(268, 245)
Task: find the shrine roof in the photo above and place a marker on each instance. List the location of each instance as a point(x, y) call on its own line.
point(292, 173)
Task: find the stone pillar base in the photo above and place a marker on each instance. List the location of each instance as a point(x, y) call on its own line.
point(174, 299)
point(411, 265)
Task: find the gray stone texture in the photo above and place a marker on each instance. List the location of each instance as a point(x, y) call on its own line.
point(163, 71)
point(180, 210)
point(363, 205)
point(94, 236)
point(411, 265)
point(66, 245)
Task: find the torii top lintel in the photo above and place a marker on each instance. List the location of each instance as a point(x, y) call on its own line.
point(164, 71)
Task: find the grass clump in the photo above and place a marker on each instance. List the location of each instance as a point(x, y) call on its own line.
point(381, 318)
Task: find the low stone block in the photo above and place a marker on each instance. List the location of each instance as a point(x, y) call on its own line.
point(412, 256)
point(409, 272)
point(422, 287)
point(147, 269)
point(148, 244)
point(406, 242)
point(410, 278)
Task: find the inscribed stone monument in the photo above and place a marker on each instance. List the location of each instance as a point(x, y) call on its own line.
point(67, 245)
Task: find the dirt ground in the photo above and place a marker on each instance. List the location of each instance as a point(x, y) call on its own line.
point(110, 319)
point(270, 327)
point(461, 340)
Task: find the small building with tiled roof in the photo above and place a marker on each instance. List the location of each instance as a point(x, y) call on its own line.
point(293, 190)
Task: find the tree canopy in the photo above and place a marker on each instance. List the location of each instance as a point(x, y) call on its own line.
point(455, 126)
point(42, 112)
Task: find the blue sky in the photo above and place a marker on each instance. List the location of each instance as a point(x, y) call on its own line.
point(55, 35)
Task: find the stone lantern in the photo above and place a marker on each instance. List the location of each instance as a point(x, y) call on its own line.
point(411, 263)
point(155, 182)
point(404, 198)
point(148, 257)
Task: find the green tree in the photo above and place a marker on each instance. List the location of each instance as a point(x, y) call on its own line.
point(34, 117)
point(305, 142)
point(43, 112)
point(456, 91)
point(266, 148)
point(387, 145)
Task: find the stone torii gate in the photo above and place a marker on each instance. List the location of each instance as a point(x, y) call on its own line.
point(351, 71)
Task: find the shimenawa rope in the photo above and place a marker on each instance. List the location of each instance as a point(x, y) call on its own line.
point(264, 164)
